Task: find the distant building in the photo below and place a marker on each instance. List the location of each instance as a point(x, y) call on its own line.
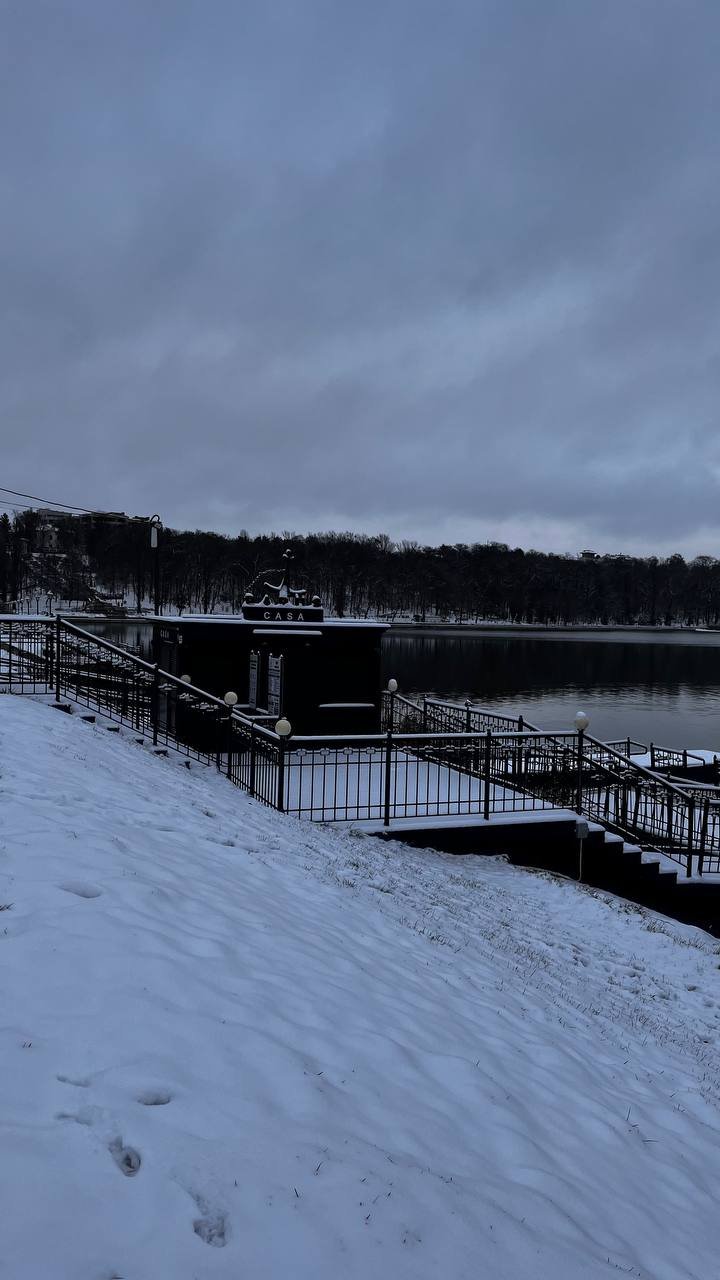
point(589, 555)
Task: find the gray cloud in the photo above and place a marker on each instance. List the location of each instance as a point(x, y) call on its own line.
point(446, 270)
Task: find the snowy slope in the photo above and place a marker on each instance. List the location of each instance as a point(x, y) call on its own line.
point(233, 1045)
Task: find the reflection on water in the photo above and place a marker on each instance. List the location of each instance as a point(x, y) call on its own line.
point(129, 633)
point(661, 688)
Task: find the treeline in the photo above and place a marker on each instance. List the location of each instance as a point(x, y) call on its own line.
point(78, 559)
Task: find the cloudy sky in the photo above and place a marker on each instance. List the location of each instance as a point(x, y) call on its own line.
point(445, 269)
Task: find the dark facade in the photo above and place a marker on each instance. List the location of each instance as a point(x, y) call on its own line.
point(324, 676)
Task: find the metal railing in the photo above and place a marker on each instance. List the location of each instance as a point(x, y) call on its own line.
point(61, 658)
point(595, 778)
point(432, 715)
point(433, 760)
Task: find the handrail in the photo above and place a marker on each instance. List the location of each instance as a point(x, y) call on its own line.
point(476, 735)
point(154, 669)
point(474, 708)
point(106, 644)
point(637, 768)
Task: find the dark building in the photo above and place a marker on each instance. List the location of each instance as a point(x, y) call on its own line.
point(282, 659)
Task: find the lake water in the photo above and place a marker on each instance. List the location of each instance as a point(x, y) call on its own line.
point(652, 686)
point(661, 687)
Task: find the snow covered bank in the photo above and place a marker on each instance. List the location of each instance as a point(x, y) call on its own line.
point(233, 1045)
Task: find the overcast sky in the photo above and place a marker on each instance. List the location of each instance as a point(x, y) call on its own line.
point(447, 270)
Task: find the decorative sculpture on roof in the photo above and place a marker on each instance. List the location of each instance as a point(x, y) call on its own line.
point(279, 595)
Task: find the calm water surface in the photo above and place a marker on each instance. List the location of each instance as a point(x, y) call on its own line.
point(656, 687)
point(660, 687)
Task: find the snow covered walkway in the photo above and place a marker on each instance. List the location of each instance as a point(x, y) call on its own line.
point(236, 1045)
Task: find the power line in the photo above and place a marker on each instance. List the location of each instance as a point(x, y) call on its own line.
point(88, 511)
point(34, 498)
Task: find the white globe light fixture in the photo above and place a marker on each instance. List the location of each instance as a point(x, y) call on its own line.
point(186, 679)
point(230, 698)
point(392, 686)
point(581, 721)
point(283, 728)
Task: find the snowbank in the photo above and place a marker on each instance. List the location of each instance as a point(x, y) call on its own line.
point(234, 1045)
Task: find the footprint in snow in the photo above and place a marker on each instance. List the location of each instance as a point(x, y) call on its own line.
point(77, 1084)
point(154, 1098)
point(87, 1116)
point(211, 1228)
point(127, 1159)
point(80, 889)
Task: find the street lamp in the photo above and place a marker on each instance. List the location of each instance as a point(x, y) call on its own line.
point(155, 530)
point(581, 723)
point(230, 699)
point(283, 728)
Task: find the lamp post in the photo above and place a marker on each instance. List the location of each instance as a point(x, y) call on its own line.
point(581, 723)
point(155, 531)
point(230, 700)
point(283, 729)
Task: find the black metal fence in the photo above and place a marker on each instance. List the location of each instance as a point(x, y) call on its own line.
point(433, 760)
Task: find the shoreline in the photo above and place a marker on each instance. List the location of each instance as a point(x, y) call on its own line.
point(539, 628)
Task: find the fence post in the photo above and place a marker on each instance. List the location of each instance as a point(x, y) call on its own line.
point(518, 752)
point(388, 768)
point(627, 748)
point(58, 656)
point(690, 834)
point(579, 789)
point(424, 713)
point(154, 703)
point(251, 787)
point(652, 755)
point(467, 715)
point(229, 742)
point(218, 738)
point(10, 652)
point(49, 657)
point(281, 775)
point(703, 834)
point(488, 748)
point(670, 817)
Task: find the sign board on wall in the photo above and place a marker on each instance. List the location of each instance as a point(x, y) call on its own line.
point(274, 693)
point(253, 683)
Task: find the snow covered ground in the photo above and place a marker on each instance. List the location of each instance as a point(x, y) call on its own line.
point(236, 1045)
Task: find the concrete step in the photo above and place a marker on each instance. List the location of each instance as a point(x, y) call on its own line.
point(63, 706)
point(89, 719)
